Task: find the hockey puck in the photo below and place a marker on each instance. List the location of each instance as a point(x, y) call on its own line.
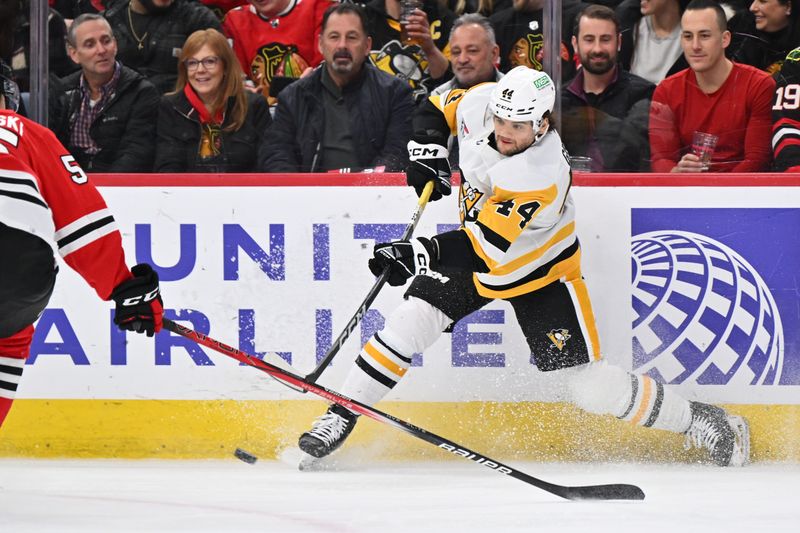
point(246, 457)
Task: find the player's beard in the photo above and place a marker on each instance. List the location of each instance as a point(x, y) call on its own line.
point(598, 68)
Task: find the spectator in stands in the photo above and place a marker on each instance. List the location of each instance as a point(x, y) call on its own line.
point(71, 9)
point(651, 31)
point(604, 109)
point(276, 40)
point(473, 56)
point(473, 53)
point(519, 31)
point(19, 59)
point(483, 7)
point(765, 34)
point(715, 96)
point(423, 61)
point(210, 123)
point(347, 113)
point(151, 33)
point(8, 19)
point(221, 7)
point(786, 115)
point(105, 113)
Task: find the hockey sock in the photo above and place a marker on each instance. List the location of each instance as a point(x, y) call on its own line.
point(10, 373)
point(14, 351)
point(385, 358)
point(601, 388)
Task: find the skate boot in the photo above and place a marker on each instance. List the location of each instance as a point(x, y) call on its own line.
point(328, 432)
point(727, 438)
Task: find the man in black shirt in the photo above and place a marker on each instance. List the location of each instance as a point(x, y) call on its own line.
point(346, 114)
point(604, 109)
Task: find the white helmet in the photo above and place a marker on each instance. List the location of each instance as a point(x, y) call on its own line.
point(523, 95)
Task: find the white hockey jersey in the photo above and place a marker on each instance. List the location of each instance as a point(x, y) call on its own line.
point(516, 210)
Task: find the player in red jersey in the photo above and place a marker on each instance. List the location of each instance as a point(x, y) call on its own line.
point(48, 205)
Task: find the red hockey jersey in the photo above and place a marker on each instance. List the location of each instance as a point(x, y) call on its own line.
point(51, 184)
point(786, 115)
point(284, 45)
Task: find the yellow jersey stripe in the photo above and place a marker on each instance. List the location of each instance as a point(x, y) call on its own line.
point(564, 269)
point(533, 255)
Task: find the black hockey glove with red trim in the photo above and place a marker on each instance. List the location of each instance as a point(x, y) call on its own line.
point(138, 302)
point(404, 259)
point(429, 163)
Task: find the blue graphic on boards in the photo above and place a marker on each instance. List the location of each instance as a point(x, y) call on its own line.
point(714, 295)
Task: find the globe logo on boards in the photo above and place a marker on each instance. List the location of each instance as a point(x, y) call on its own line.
point(701, 313)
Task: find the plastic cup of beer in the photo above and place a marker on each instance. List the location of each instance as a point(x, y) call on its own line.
point(407, 7)
point(703, 145)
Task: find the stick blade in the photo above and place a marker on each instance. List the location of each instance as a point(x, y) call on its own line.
point(618, 491)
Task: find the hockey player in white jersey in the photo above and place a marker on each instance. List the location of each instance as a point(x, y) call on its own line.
point(518, 243)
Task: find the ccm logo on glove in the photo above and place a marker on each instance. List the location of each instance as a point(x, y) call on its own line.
point(136, 300)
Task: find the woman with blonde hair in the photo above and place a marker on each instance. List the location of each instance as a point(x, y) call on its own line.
point(209, 123)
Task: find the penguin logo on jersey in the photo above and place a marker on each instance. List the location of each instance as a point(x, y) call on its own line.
point(405, 62)
point(469, 199)
point(559, 337)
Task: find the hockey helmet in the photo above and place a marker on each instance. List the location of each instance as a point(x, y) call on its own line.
point(8, 88)
point(523, 95)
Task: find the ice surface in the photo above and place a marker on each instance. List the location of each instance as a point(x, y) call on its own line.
point(90, 496)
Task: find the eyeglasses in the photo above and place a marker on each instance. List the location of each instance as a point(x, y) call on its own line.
point(209, 63)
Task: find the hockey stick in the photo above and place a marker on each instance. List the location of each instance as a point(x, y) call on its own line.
point(314, 375)
point(587, 492)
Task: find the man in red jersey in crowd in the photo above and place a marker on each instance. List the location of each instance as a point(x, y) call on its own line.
point(715, 96)
point(276, 40)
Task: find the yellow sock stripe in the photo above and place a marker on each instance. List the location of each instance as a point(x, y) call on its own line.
point(387, 363)
point(647, 391)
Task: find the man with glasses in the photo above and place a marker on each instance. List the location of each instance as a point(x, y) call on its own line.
point(106, 113)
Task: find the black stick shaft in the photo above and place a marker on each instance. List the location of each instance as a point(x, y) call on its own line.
point(314, 375)
point(588, 492)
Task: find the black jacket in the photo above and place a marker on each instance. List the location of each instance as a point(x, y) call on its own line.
point(380, 108)
point(629, 15)
point(610, 127)
point(179, 137)
point(166, 33)
point(763, 50)
point(124, 130)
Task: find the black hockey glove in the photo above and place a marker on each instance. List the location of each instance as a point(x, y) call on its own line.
point(138, 301)
point(404, 259)
point(429, 162)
